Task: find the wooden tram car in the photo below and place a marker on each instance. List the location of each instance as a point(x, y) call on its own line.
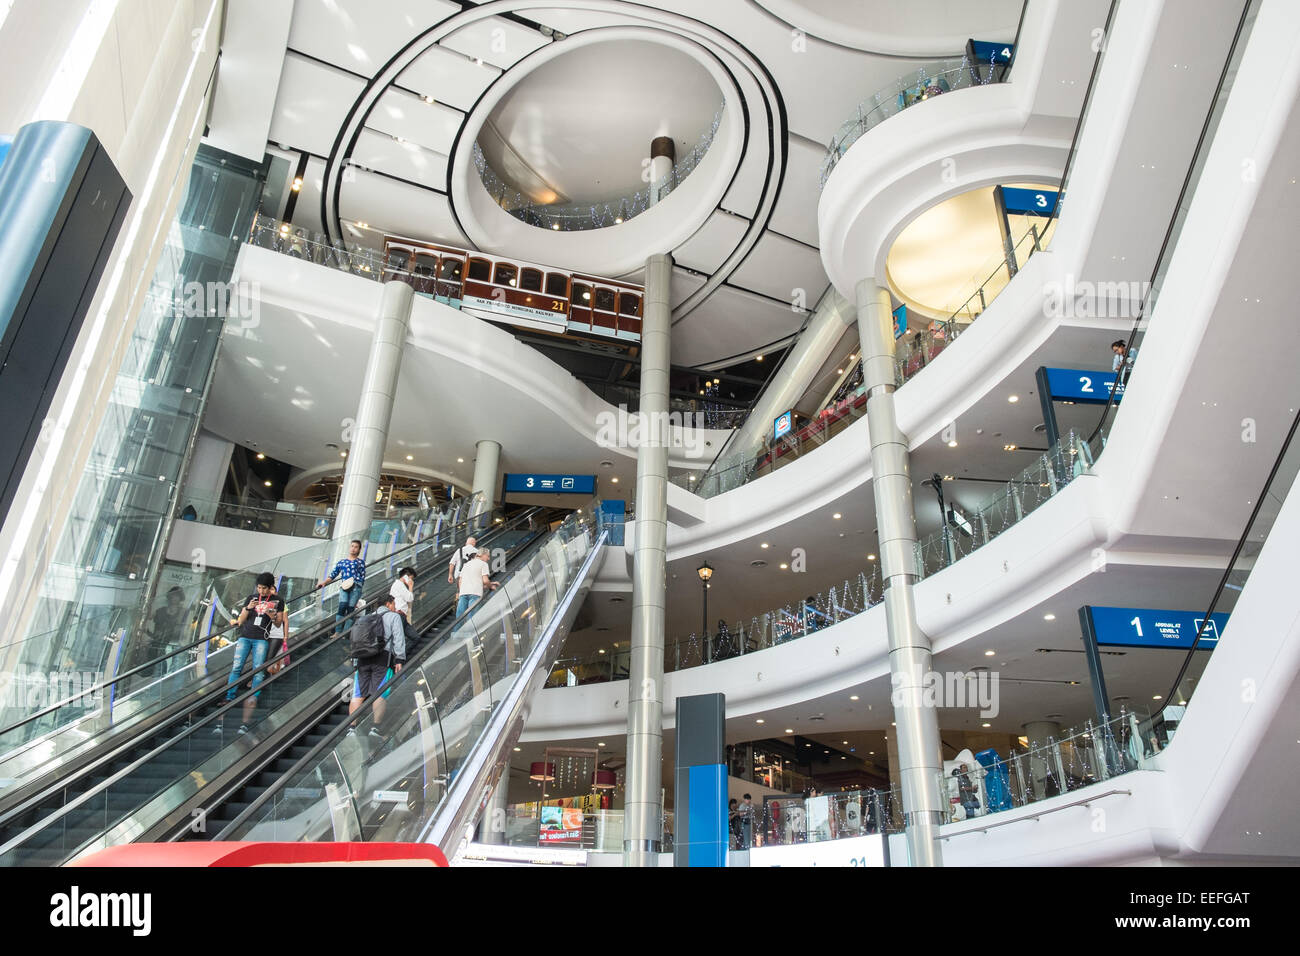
point(518, 293)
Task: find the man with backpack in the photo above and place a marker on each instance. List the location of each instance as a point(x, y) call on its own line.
point(379, 650)
point(465, 552)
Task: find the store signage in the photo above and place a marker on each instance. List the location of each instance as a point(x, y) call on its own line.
point(782, 425)
point(854, 851)
point(1029, 202)
point(502, 307)
point(900, 321)
point(551, 484)
point(1145, 627)
point(560, 825)
point(1082, 386)
point(987, 52)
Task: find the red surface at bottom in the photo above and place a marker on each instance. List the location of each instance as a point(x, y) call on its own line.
point(200, 853)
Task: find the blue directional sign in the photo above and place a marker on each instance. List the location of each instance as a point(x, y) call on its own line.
point(1029, 202)
point(551, 484)
point(5, 143)
point(900, 321)
point(986, 52)
point(782, 425)
point(1145, 627)
point(1082, 386)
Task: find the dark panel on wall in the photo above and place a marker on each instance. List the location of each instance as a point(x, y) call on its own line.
point(62, 203)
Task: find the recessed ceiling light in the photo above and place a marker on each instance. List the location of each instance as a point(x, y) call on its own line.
point(618, 220)
point(760, 720)
point(758, 358)
point(836, 516)
point(614, 479)
point(260, 456)
point(986, 725)
point(410, 458)
point(1008, 447)
point(267, 483)
point(790, 730)
point(601, 744)
point(460, 461)
point(871, 557)
point(1013, 399)
point(554, 225)
point(784, 566)
point(763, 545)
point(343, 454)
point(853, 696)
point(845, 742)
point(953, 443)
point(1156, 697)
point(989, 653)
point(1049, 616)
point(601, 651)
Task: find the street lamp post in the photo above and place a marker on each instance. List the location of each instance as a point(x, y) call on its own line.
point(705, 572)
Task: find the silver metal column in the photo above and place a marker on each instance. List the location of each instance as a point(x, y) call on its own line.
point(374, 412)
point(919, 752)
point(643, 810)
point(808, 354)
point(492, 829)
point(487, 474)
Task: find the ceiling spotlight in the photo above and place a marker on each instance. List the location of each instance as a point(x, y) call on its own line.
point(763, 545)
point(1013, 399)
point(760, 720)
point(986, 725)
point(853, 696)
point(953, 443)
point(758, 358)
point(601, 744)
point(1008, 447)
point(989, 653)
point(260, 456)
point(871, 557)
point(614, 479)
point(836, 516)
point(297, 184)
point(790, 730)
point(284, 230)
point(1049, 616)
point(430, 100)
point(784, 566)
point(618, 220)
point(410, 458)
point(554, 225)
point(267, 483)
point(460, 461)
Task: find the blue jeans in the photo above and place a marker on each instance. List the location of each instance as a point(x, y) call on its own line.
point(466, 602)
point(347, 604)
point(242, 646)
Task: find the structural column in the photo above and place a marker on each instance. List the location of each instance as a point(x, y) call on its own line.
point(374, 412)
point(662, 156)
point(805, 358)
point(487, 474)
point(919, 762)
point(643, 813)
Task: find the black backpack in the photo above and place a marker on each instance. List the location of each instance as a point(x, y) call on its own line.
point(367, 636)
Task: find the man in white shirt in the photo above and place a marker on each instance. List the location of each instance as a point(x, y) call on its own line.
point(474, 578)
point(463, 554)
point(403, 592)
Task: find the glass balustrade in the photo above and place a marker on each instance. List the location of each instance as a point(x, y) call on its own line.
point(388, 774)
point(926, 82)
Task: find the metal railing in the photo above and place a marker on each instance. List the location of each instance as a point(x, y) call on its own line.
point(1051, 472)
point(924, 83)
point(578, 216)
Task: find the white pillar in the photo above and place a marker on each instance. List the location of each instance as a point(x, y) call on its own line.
point(662, 156)
point(487, 474)
point(374, 412)
point(643, 805)
point(919, 752)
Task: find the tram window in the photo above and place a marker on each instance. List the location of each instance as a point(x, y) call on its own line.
point(530, 280)
point(480, 270)
point(557, 284)
point(425, 266)
point(628, 303)
point(581, 296)
point(604, 300)
point(396, 260)
point(505, 274)
point(451, 270)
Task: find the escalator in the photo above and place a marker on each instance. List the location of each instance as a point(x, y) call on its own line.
point(125, 780)
point(424, 772)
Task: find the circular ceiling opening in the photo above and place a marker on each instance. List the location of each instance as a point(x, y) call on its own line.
point(952, 250)
point(574, 135)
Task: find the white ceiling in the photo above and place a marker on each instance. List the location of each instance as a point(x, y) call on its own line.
point(582, 123)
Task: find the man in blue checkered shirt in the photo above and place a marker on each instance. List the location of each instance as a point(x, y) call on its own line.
point(351, 573)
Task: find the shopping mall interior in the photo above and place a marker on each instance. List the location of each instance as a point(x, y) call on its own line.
point(642, 298)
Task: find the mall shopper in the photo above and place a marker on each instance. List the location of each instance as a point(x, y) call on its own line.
point(403, 592)
point(966, 791)
point(350, 572)
point(464, 553)
point(1122, 363)
point(733, 824)
point(474, 577)
point(375, 670)
point(279, 637)
point(746, 814)
point(261, 612)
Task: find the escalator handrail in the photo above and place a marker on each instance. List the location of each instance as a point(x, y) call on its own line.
point(199, 702)
point(118, 678)
point(1125, 370)
point(455, 811)
point(20, 797)
point(1170, 697)
point(332, 739)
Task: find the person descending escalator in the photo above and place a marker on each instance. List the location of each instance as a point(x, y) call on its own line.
point(378, 651)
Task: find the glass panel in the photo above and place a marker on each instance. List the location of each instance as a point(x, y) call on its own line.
point(629, 303)
point(530, 280)
point(505, 274)
point(557, 284)
point(480, 270)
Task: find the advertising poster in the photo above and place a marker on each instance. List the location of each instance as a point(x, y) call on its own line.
point(561, 825)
